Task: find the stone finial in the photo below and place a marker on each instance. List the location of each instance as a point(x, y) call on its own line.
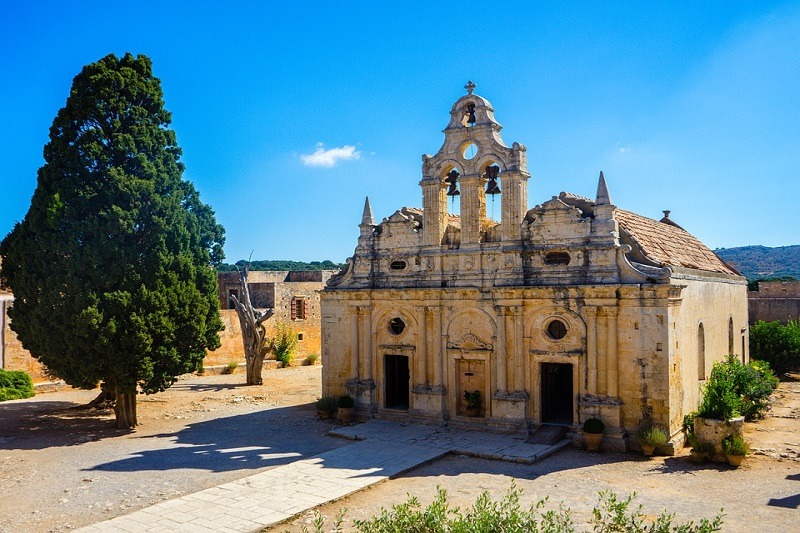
point(666, 213)
point(603, 198)
point(470, 87)
point(366, 218)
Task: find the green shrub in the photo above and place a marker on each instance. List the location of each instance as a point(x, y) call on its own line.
point(652, 436)
point(231, 368)
point(735, 445)
point(719, 401)
point(311, 359)
point(507, 515)
point(735, 389)
point(15, 385)
point(283, 343)
point(346, 401)
point(472, 399)
point(593, 425)
point(327, 403)
point(776, 344)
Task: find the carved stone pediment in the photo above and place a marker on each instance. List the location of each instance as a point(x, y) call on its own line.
point(469, 342)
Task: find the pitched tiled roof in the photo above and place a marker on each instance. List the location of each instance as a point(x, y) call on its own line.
point(670, 244)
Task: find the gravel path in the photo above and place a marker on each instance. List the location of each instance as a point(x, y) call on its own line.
point(62, 468)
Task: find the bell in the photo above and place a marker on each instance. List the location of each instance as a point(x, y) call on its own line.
point(452, 180)
point(471, 120)
point(491, 174)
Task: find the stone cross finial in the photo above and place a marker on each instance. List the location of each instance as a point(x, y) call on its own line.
point(470, 87)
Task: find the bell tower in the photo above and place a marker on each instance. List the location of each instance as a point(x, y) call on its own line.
point(472, 163)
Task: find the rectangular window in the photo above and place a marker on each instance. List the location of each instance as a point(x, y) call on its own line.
point(299, 308)
point(232, 292)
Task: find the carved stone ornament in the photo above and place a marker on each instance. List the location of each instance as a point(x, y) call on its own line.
point(469, 342)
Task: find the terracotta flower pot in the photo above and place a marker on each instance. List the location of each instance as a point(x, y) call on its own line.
point(735, 460)
point(648, 450)
point(592, 441)
point(698, 457)
point(345, 414)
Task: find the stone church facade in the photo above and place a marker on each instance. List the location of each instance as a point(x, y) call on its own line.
point(572, 309)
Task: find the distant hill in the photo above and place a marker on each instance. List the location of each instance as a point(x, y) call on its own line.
point(281, 264)
point(762, 262)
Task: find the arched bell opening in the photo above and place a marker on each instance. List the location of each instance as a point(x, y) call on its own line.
point(451, 177)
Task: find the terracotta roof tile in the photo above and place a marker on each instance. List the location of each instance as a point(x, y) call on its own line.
point(669, 244)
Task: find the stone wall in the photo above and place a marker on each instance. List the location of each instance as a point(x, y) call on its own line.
point(774, 300)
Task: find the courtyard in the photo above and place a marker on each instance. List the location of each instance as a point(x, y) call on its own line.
point(63, 468)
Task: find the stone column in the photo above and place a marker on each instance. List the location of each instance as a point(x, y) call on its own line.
point(591, 350)
point(441, 350)
point(612, 379)
point(354, 342)
point(519, 354)
point(473, 208)
point(421, 353)
point(367, 328)
point(501, 370)
point(434, 203)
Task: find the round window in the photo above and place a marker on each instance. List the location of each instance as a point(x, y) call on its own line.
point(556, 330)
point(470, 151)
point(397, 326)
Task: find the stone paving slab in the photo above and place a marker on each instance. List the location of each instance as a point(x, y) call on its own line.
point(384, 450)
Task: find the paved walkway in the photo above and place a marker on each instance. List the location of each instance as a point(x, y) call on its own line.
point(385, 450)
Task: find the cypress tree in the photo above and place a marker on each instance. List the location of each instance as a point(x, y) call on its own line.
point(111, 268)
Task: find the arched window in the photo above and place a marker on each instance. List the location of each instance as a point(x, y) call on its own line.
point(730, 336)
point(701, 352)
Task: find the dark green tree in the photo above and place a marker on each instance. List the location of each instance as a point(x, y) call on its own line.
point(112, 266)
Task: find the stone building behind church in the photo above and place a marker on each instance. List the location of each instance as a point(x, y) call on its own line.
point(572, 309)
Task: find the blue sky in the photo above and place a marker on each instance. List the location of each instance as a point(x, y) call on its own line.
point(687, 106)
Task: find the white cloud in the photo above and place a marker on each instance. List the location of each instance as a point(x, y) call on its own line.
point(330, 157)
point(624, 149)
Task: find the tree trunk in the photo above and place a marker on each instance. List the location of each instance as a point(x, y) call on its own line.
point(254, 334)
point(125, 409)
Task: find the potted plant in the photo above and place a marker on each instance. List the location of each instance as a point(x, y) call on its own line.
point(346, 408)
point(593, 433)
point(650, 438)
point(735, 448)
point(473, 402)
point(326, 406)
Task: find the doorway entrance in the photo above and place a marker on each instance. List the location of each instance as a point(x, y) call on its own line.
point(396, 378)
point(557, 407)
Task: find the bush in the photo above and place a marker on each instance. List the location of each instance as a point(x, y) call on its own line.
point(735, 389)
point(231, 368)
point(311, 359)
point(652, 436)
point(346, 401)
point(486, 515)
point(284, 343)
point(735, 445)
point(327, 403)
point(15, 385)
point(593, 425)
point(776, 344)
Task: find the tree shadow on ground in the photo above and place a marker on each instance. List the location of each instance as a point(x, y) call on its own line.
point(36, 425)
point(208, 387)
point(249, 441)
point(789, 502)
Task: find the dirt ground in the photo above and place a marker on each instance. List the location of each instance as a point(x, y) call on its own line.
point(62, 468)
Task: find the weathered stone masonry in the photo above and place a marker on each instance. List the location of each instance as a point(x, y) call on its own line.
point(571, 309)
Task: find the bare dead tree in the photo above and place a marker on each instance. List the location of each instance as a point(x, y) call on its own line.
point(257, 345)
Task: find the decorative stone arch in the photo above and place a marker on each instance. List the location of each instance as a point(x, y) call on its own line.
point(470, 342)
point(443, 167)
point(492, 158)
point(536, 330)
point(701, 351)
point(391, 348)
point(547, 352)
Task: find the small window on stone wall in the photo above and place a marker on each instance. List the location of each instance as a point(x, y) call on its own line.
point(299, 336)
point(397, 265)
point(397, 326)
point(557, 258)
point(556, 330)
point(299, 308)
